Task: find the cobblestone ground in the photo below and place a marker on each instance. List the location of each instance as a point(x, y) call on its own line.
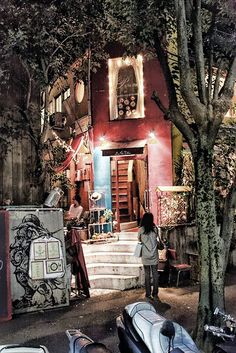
point(96, 316)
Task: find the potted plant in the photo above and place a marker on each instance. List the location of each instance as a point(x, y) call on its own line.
point(107, 215)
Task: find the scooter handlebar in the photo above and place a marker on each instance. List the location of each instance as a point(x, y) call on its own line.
point(218, 331)
point(225, 316)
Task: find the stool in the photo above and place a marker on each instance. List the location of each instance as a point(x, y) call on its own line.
point(179, 268)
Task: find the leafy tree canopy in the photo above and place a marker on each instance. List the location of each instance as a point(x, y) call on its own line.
point(49, 36)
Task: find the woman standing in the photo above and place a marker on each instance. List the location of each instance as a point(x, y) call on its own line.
point(148, 236)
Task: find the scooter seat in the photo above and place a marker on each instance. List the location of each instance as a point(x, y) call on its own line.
point(133, 308)
point(183, 340)
point(148, 323)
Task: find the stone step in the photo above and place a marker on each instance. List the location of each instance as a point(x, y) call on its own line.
point(114, 269)
point(114, 282)
point(111, 257)
point(119, 246)
point(128, 236)
point(113, 265)
point(128, 225)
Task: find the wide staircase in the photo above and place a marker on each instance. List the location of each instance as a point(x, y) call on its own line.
point(113, 265)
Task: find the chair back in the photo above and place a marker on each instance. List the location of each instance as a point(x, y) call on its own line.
point(172, 254)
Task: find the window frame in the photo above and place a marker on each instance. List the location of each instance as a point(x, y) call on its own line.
point(114, 65)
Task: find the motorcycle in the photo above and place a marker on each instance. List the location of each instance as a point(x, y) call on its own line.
point(226, 334)
point(142, 330)
point(78, 343)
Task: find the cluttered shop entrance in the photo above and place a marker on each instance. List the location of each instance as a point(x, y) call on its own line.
point(129, 183)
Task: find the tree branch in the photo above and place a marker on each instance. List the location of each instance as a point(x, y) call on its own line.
point(196, 108)
point(162, 57)
point(29, 88)
point(222, 104)
point(75, 34)
point(199, 55)
point(158, 102)
point(217, 82)
point(228, 88)
point(31, 131)
point(171, 113)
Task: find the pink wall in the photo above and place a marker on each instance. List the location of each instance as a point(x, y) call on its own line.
point(159, 152)
point(136, 128)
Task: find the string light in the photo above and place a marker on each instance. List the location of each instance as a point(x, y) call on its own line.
point(114, 65)
point(62, 143)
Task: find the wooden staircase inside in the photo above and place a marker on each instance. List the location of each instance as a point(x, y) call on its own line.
point(121, 191)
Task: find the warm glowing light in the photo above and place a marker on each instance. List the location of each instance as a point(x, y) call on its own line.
point(62, 143)
point(127, 61)
point(102, 138)
point(151, 134)
point(119, 62)
point(139, 57)
point(114, 67)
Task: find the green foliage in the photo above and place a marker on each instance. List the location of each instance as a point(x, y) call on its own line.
point(13, 126)
point(60, 179)
point(43, 39)
point(224, 166)
point(50, 37)
point(108, 214)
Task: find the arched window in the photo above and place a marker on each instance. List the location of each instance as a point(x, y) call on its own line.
point(126, 88)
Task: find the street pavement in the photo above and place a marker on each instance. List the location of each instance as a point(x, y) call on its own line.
point(96, 316)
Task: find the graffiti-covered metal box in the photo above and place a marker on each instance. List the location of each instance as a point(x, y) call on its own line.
point(5, 292)
point(37, 257)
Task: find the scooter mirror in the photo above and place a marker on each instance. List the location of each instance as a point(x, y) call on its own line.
point(168, 329)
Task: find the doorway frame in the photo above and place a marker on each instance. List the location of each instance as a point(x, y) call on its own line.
point(116, 159)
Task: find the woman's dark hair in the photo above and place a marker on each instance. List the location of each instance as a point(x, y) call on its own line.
point(77, 198)
point(147, 222)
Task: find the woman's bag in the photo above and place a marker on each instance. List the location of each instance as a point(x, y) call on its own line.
point(138, 250)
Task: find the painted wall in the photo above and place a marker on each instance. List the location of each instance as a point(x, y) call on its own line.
point(38, 263)
point(102, 175)
point(159, 150)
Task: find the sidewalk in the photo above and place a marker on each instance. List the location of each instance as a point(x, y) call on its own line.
point(96, 316)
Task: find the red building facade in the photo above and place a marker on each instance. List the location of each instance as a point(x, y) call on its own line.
point(132, 147)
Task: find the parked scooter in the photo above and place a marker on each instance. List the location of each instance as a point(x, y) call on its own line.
point(226, 334)
point(80, 343)
point(17, 348)
point(142, 330)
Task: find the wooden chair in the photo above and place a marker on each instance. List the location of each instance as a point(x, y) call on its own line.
point(176, 267)
point(163, 266)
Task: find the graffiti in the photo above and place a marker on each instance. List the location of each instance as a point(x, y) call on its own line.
point(41, 292)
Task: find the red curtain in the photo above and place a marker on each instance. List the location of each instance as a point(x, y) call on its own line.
point(75, 145)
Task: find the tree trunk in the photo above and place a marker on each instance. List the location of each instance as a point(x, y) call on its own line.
point(211, 256)
point(227, 227)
